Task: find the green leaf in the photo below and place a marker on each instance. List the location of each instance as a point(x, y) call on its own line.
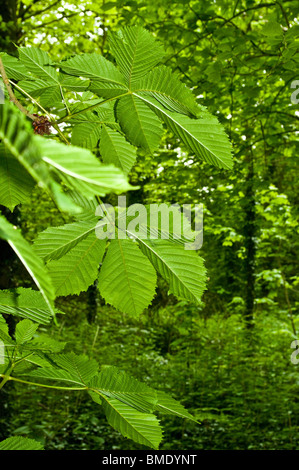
point(88, 206)
point(108, 90)
point(3, 325)
point(39, 63)
point(159, 221)
point(81, 170)
point(17, 136)
point(47, 344)
point(70, 368)
point(56, 374)
point(55, 242)
point(127, 280)
point(15, 182)
point(272, 28)
point(136, 51)
point(73, 83)
point(4, 335)
point(122, 398)
point(25, 331)
point(116, 150)
point(25, 303)
point(182, 269)
point(78, 269)
point(139, 123)
point(113, 383)
point(48, 92)
point(163, 85)
point(13, 67)
point(169, 406)
point(87, 134)
point(205, 137)
point(30, 260)
point(20, 443)
point(87, 131)
point(80, 367)
point(143, 428)
point(94, 66)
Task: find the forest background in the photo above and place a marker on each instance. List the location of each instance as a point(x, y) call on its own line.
point(227, 360)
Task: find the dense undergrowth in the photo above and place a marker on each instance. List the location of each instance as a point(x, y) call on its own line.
point(240, 384)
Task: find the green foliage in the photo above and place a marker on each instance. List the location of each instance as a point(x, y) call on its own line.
point(127, 279)
point(128, 404)
point(26, 303)
point(30, 260)
point(20, 443)
point(16, 184)
point(182, 269)
point(239, 60)
point(224, 377)
point(66, 259)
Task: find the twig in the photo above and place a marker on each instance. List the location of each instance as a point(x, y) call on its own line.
point(11, 93)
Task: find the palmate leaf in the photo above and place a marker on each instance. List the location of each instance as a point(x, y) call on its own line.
point(140, 124)
point(15, 182)
point(128, 403)
point(30, 260)
point(78, 269)
point(20, 443)
point(47, 344)
point(136, 51)
point(80, 169)
point(205, 136)
point(26, 303)
point(116, 150)
point(182, 269)
point(54, 242)
point(157, 221)
point(127, 279)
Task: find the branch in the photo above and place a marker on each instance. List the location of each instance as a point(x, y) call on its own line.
point(40, 11)
point(70, 116)
point(7, 378)
point(11, 93)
